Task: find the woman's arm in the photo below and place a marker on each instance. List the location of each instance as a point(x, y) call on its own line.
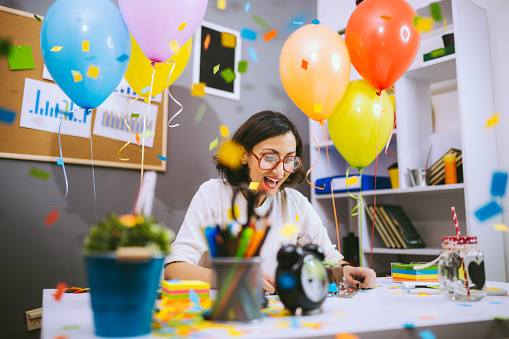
point(185, 271)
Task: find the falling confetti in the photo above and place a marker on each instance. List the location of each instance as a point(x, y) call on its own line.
point(77, 76)
point(60, 161)
point(213, 144)
point(60, 290)
point(315, 21)
point(247, 7)
point(248, 34)
point(7, 116)
point(499, 184)
point(56, 49)
point(304, 64)
point(182, 26)
point(260, 22)
point(200, 113)
point(162, 158)
point(352, 181)
point(288, 230)
point(37, 173)
point(198, 90)
point(138, 138)
point(221, 4)
point(501, 227)
point(253, 185)
point(423, 24)
point(206, 43)
point(135, 115)
point(123, 57)
point(85, 46)
point(252, 54)
point(216, 68)
point(145, 90)
point(317, 108)
point(228, 40)
point(52, 217)
point(228, 75)
point(242, 67)
point(236, 209)
point(93, 71)
point(436, 13)
point(230, 154)
point(492, 121)
point(223, 131)
point(487, 211)
point(174, 46)
point(270, 35)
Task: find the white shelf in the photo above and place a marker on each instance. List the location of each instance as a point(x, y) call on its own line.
point(409, 251)
point(436, 70)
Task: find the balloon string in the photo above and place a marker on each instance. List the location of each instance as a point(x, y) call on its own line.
point(129, 128)
point(63, 165)
point(309, 170)
point(171, 96)
point(93, 172)
point(353, 213)
point(145, 125)
point(332, 191)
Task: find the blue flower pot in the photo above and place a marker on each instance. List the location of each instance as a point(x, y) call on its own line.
point(122, 294)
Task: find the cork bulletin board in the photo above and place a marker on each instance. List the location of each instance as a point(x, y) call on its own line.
point(21, 29)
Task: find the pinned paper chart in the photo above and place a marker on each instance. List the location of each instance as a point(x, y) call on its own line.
point(110, 123)
point(45, 105)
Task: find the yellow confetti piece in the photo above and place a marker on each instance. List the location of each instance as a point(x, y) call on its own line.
point(445, 25)
point(182, 26)
point(317, 108)
point(501, 227)
point(128, 220)
point(216, 68)
point(198, 90)
point(237, 212)
point(493, 288)
point(228, 40)
point(339, 313)
point(174, 46)
point(289, 230)
point(213, 144)
point(352, 181)
point(424, 294)
point(230, 154)
point(297, 217)
point(221, 4)
point(346, 336)
point(77, 76)
point(399, 293)
point(93, 71)
point(223, 130)
point(282, 324)
point(56, 49)
point(85, 46)
point(253, 185)
point(312, 325)
point(423, 24)
point(493, 120)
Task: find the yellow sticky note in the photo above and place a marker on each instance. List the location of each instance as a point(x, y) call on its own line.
point(237, 212)
point(230, 154)
point(423, 24)
point(198, 90)
point(221, 4)
point(297, 217)
point(85, 46)
point(223, 130)
point(56, 49)
point(228, 40)
point(493, 120)
point(77, 76)
point(317, 108)
point(253, 185)
point(93, 72)
point(174, 46)
point(213, 144)
point(501, 227)
point(182, 26)
point(352, 181)
point(289, 230)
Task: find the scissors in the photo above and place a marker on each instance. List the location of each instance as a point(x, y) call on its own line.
point(252, 197)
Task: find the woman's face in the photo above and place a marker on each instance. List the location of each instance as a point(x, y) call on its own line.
point(270, 180)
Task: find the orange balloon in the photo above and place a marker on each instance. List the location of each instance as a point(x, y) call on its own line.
point(315, 69)
point(382, 40)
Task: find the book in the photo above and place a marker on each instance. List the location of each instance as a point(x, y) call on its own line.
point(436, 173)
point(406, 231)
point(379, 227)
point(396, 234)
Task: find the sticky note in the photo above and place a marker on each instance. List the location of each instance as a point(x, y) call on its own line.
point(20, 57)
point(247, 7)
point(230, 154)
point(174, 46)
point(260, 22)
point(252, 54)
point(85, 46)
point(501, 227)
point(352, 181)
point(56, 49)
point(487, 211)
point(37, 173)
point(162, 158)
point(315, 21)
point(77, 76)
point(423, 24)
point(123, 57)
point(270, 35)
point(198, 90)
point(213, 144)
point(253, 185)
point(228, 40)
point(52, 217)
point(200, 113)
point(60, 161)
point(37, 18)
point(499, 184)
point(223, 130)
point(7, 116)
point(147, 134)
point(436, 13)
point(242, 67)
point(135, 115)
point(216, 68)
point(427, 334)
point(206, 43)
point(221, 4)
point(248, 34)
point(138, 138)
point(493, 120)
point(304, 64)
point(317, 108)
point(182, 26)
point(228, 75)
point(93, 71)
point(236, 210)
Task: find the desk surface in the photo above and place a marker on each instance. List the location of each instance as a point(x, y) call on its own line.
point(385, 308)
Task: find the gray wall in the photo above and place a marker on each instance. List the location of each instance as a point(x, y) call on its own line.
point(34, 257)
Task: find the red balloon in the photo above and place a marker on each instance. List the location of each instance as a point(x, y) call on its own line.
point(382, 40)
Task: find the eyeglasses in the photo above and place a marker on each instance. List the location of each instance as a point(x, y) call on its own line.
point(269, 161)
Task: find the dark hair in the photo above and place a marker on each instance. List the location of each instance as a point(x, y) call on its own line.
point(259, 127)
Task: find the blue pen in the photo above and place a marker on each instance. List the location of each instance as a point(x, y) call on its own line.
point(210, 235)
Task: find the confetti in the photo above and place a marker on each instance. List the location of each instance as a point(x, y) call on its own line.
point(288, 230)
point(147, 134)
point(223, 131)
point(346, 336)
point(252, 54)
point(61, 337)
point(247, 7)
point(297, 217)
point(52, 217)
point(194, 297)
point(399, 293)
point(492, 121)
point(213, 144)
point(85, 46)
point(228, 40)
point(216, 68)
point(242, 67)
point(315, 21)
point(230, 154)
point(427, 317)
point(270, 35)
point(60, 161)
point(317, 108)
point(37, 18)
point(182, 26)
point(501, 227)
point(339, 313)
point(77, 76)
point(408, 325)
point(221, 4)
point(298, 23)
point(135, 115)
point(236, 209)
point(304, 64)
point(423, 24)
point(261, 22)
point(352, 181)
point(248, 34)
point(253, 185)
point(427, 334)
point(56, 49)
point(496, 302)
point(128, 220)
point(70, 327)
point(501, 318)
point(206, 43)
point(123, 57)
point(228, 75)
point(174, 46)
point(385, 17)
point(38, 174)
point(487, 211)
point(93, 71)
point(198, 90)
point(7, 116)
point(498, 184)
point(162, 158)
point(138, 138)
point(436, 13)
point(200, 113)
point(145, 90)
point(60, 291)
point(20, 57)
point(464, 305)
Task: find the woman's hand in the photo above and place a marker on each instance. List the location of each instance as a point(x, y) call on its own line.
point(268, 283)
point(359, 277)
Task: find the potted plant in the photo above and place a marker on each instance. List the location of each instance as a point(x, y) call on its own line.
point(124, 260)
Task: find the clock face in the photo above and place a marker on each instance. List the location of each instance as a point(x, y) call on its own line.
point(313, 278)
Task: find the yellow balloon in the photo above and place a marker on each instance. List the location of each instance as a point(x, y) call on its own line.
point(139, 72)
point(356, 124)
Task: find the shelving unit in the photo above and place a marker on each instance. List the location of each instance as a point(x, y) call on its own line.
point(462, 81)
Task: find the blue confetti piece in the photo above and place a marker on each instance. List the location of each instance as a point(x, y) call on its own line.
point(487, 211)
point(364, 291)
point(7, 116)
point(294, 323)
point(247, 6)
point(495, 302)
point(427, 335)
point(145, 90)
point(298, 23)
point(464, 305)
point(498, 184)
point(333, 287)
point(315, 21)
point(195, 299)
point(252, 54)
point(162, 158)
point(60, 161)
point(123, 57)
point(408, 325)
point(248, 34)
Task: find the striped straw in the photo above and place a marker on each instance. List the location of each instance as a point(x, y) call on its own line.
point(455, 218)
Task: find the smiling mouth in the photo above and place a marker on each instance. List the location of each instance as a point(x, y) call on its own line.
point(270, 182)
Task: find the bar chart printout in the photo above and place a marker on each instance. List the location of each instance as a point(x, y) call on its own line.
point(45, 105)
point(112, 116)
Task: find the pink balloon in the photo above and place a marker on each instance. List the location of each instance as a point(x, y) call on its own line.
point(155, 23)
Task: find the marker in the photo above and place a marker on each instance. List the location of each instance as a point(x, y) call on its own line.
point(246, 237)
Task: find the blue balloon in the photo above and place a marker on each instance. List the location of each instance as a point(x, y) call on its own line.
point(70, 24)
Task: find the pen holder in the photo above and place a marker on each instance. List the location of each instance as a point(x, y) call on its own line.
point(238, 289)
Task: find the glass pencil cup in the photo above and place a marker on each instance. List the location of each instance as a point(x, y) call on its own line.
point(239, 292)
point(461, 269)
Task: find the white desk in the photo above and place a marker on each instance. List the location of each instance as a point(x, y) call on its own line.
point(378, 313)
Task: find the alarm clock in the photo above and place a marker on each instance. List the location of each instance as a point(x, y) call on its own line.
point(301, 279)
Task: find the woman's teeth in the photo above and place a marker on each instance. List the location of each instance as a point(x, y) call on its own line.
point(271, 182)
